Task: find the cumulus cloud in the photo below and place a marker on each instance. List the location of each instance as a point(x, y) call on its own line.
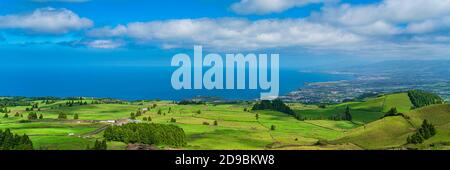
point(231, 33)
point(389, 16)
point(268, 6)
point(46, 21)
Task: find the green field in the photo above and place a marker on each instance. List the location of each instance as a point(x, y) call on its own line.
point(239, 129)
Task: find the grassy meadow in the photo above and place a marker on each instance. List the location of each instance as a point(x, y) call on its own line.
point(238, 127)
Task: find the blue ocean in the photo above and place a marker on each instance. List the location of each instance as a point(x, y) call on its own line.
point(130, 83)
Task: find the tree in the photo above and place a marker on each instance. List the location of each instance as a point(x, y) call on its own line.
point(347, 114)
point(32, 116)
point(138, 113)
point(276, 105)
point(149, 119)
point(62, 116)
point(272, 127)
point(75, 116)
point(146, 133)
point(216, 123)
point(421, 98)
point(392, 112)
point(426, 131)
point(10, 141)
point(41, 116)
point(257, 116)
point(6, 115)
point(99, 145)
point(144, 119)
point(173, 120)
point(159, 111)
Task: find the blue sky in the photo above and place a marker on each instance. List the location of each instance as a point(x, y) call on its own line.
point(63, 33)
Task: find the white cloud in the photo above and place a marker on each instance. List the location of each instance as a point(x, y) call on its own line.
point(231, 33)
point(46, 21)
point(268, 6)
point(104, 44)
point(430, 25)
point(391, 11)
point(389, 17)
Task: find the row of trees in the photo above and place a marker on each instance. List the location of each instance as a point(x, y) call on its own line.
point(421, 98)
point(393, 112)
point(72, 102)
point(34, 116)
point(4, 110)
point(10, 141)
point(343, 116)
point(14, 101)
point(190, 102)
point(427, 130)
point(147, 133)
point(276, 105)
point(98, 145)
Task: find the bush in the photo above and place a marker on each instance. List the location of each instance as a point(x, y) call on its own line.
point(205, 123)
point(216, 123)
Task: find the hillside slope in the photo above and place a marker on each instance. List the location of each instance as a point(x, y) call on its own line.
point(391, 132)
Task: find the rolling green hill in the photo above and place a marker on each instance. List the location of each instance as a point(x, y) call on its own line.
point(369, 110)
point(391, 132)
point(238, 127)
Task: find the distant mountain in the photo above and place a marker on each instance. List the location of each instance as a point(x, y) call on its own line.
point(434, 68)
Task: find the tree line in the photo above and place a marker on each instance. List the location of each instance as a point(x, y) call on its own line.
point(10, 141)
point(276, 105)
point(146, 133)
point(98, 145)
point(421, 98)
point(426, 131)
point(343, 116)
